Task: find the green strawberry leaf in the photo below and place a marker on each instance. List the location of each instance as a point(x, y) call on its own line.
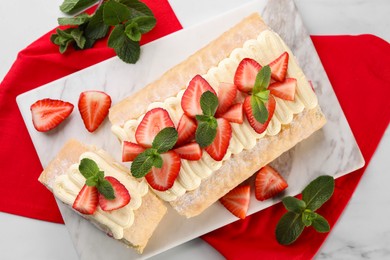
point(289, 228)
point(293, 204)
point(263, 78)
point(318, 192)
point(206, 132)
point(115, 13)
point(165, 140)
point(320, 224)
point(259, 109)
point(126, 49)
point(209, 103)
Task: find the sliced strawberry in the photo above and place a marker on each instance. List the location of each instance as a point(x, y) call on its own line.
point(163, 178)
point(279, 67)
point(186, 130)
point(284, 90)
point(217, 149)
point(122, 196)
point(246, 73)
point(191, 151)
point(153, 122)
point(256, 125)
point(130, 151)
point(235, 114)
point(87, 200)
point(268, 183)
point(48, 113)
point(237, 201)
point(226, 94)
point(93, 106)
point(190, 101)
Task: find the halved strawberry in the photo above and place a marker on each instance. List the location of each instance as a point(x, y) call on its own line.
point(87, 200)
point(130, 151)
point(237, 201)
point(48, 113)
point(246, 73)
point(163, 178)
point(268, 183)
point(190, 101)
point(284, 90)
point(226, 94)
point(122, 196)
point(279, 67)
point(191, 151)
point(217, 149)
point(256, 125)
point(153, 122)
point(186, 129)
point(235, 114)
point(93, 106)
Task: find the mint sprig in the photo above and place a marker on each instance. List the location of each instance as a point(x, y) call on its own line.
point(301, 213)
point(206, 130)
point(164, 141)
point(260, 94)
point(129, 19)
point(95, 177)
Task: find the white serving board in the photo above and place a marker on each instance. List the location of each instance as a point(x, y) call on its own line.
point(332, 150)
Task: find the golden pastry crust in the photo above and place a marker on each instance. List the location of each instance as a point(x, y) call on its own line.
point(241, 166)
point(146, 217)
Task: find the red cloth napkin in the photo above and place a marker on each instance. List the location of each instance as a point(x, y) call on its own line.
point(359, 70)
point(38, 64)
point(41, 63)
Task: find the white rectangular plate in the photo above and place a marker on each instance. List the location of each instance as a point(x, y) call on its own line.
point(332, 150)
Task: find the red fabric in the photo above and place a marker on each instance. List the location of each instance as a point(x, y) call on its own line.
point(38, 64)
point(359, 70)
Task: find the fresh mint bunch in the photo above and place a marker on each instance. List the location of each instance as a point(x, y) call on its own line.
point(95, 177)
point(207, 123)
point(128, 18)
point(163, 142)
point(301, 213)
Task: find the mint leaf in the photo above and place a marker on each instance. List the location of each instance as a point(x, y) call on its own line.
point(165, 140)
point(115, 13)
point(145, 23)
point(263, 78)
point(293, 204)
point(133, 32)
point(143, 163)
point(318, 192)
point(308, 216)
point(88, 168)
point(205, 133)
point(80, 19)
point(259, 110)
point(74, 6)
point(289, 228)
point(96, 28)
point(92, 181)
point(208, 103)
point(105, 188)
point(320, 224)
point(137, 8)
point(263, 95)
point(126, 49)
point(78, 37)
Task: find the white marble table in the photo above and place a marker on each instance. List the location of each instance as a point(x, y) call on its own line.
point(362, 231)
